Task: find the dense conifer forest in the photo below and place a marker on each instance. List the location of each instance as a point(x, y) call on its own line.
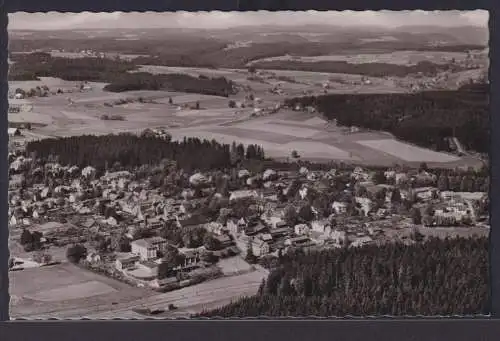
point(130, 151)
point(436, 277)
point(427, 118)
point(366, 69)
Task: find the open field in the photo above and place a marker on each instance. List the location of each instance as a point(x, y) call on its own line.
point(46, 290)
point(72, 292)
point(310, 135)
point(408, 152)
point(189, 300)
point(233, 265)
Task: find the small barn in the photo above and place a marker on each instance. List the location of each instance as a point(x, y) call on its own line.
point(14, 132)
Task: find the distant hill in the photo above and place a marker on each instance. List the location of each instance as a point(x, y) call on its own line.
point(465, 35)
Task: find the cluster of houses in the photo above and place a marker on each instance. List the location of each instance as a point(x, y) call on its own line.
point(117, 201)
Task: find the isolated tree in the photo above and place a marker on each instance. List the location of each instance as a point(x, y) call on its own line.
point(211, 243)
point(170, 101)
point(76, 252)
point(416, 216)
point(379, 178)
point(165, 269)
point(429, 210)
point(250, 256)
point(443, 183)
point(124, 244)
point(104, 245)
point(306, 213)
point(423, 167)
point(427, 220)
point(396, 196)
point(26, 237)
point(42, 257)
point(416, 235)
point(295, 154)
point(210, 258)
point(231, 104)
point(252, 69)
point(290, 215)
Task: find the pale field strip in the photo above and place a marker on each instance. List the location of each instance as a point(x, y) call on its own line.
point(299, 132)
point(72, 292)
point(233, 264)
point(74, 115)
point(407, 152)
point(30, 117)
point(397, 57)
point(254, 134)
point(206, 113)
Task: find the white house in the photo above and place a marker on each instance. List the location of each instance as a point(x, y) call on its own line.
point(126, 262)
point(303, 192)
point(321, 226)
point(362, 241)
point(338, 237)
point(365, 203)
point(339, 207)
point(216, 228)
point(236, 226)
point(260, 247)
point(301, 229)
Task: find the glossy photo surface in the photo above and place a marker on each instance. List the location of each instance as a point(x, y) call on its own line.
point(248, 164)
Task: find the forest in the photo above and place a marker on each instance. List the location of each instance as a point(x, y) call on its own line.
point(130, 151)
point(219, 86)
point(427, 118)
point(366, 69)
point(113, 71)
point(434, 277)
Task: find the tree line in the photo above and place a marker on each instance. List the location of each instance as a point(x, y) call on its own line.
point(427, 118)
point(131, 151)
point(367, 69)
point(436, 277)
point(114, 71)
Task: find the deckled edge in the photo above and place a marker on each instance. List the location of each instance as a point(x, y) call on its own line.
point(270, 318)
point(4, 232)
point(4, 178)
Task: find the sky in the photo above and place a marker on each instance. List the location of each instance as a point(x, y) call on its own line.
point(221, 20)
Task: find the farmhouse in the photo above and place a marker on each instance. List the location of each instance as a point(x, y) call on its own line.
point(243, 194)
point(17, 105)
point(126, 262)
point(260, 247)
point(14, 132)
point(301, 229)
point(191, 258)
point(299, 241)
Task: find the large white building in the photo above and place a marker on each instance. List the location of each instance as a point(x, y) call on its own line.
point(148, 248)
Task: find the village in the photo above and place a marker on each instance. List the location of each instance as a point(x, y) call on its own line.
point(124, 226)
